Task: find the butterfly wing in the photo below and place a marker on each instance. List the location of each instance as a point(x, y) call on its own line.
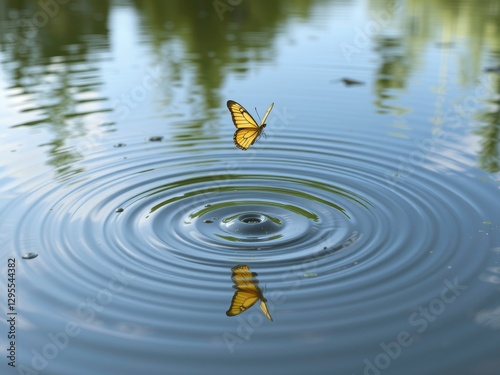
point(247, 291)
point(244, 138)
point(247, 128)
point(267, 114)
point(264, 309)
point(241, 118)
point(241, 301)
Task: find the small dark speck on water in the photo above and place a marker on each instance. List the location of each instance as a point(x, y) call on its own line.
point(119, 145)
point(348, 81)
point(156, 138)
point(29, 255)
point(208, 221)
point(119, 210)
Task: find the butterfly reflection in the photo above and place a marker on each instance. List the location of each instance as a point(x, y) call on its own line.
point(247, 292)
point(247, 128)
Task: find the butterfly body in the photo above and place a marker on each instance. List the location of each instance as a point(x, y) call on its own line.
point(247, 292)
point(247, 129)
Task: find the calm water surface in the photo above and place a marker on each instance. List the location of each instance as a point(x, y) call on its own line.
point(369, 211)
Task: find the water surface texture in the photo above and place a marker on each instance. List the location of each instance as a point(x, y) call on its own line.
point(367, 216)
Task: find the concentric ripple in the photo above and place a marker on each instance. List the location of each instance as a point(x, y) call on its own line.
point(331, 236)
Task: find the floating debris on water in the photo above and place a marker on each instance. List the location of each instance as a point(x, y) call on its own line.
point(348, 81)
point(29, 255)
point(155, 138)
point(119, 210)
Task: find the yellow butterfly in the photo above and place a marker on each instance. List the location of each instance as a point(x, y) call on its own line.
point(247, 292)
point(248, 129)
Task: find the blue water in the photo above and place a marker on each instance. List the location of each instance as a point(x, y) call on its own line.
point(368, 211)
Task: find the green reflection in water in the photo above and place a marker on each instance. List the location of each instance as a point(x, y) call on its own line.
point(297, 210)
point(218, 188)
point(57, 63)
point(489, 154)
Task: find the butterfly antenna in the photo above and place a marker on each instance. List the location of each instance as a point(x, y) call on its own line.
point(258, 114)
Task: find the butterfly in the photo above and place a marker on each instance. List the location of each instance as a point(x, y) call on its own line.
point(247, 292)
point(248, 129)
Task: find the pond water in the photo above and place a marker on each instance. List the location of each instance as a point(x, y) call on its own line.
point(366, 216)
